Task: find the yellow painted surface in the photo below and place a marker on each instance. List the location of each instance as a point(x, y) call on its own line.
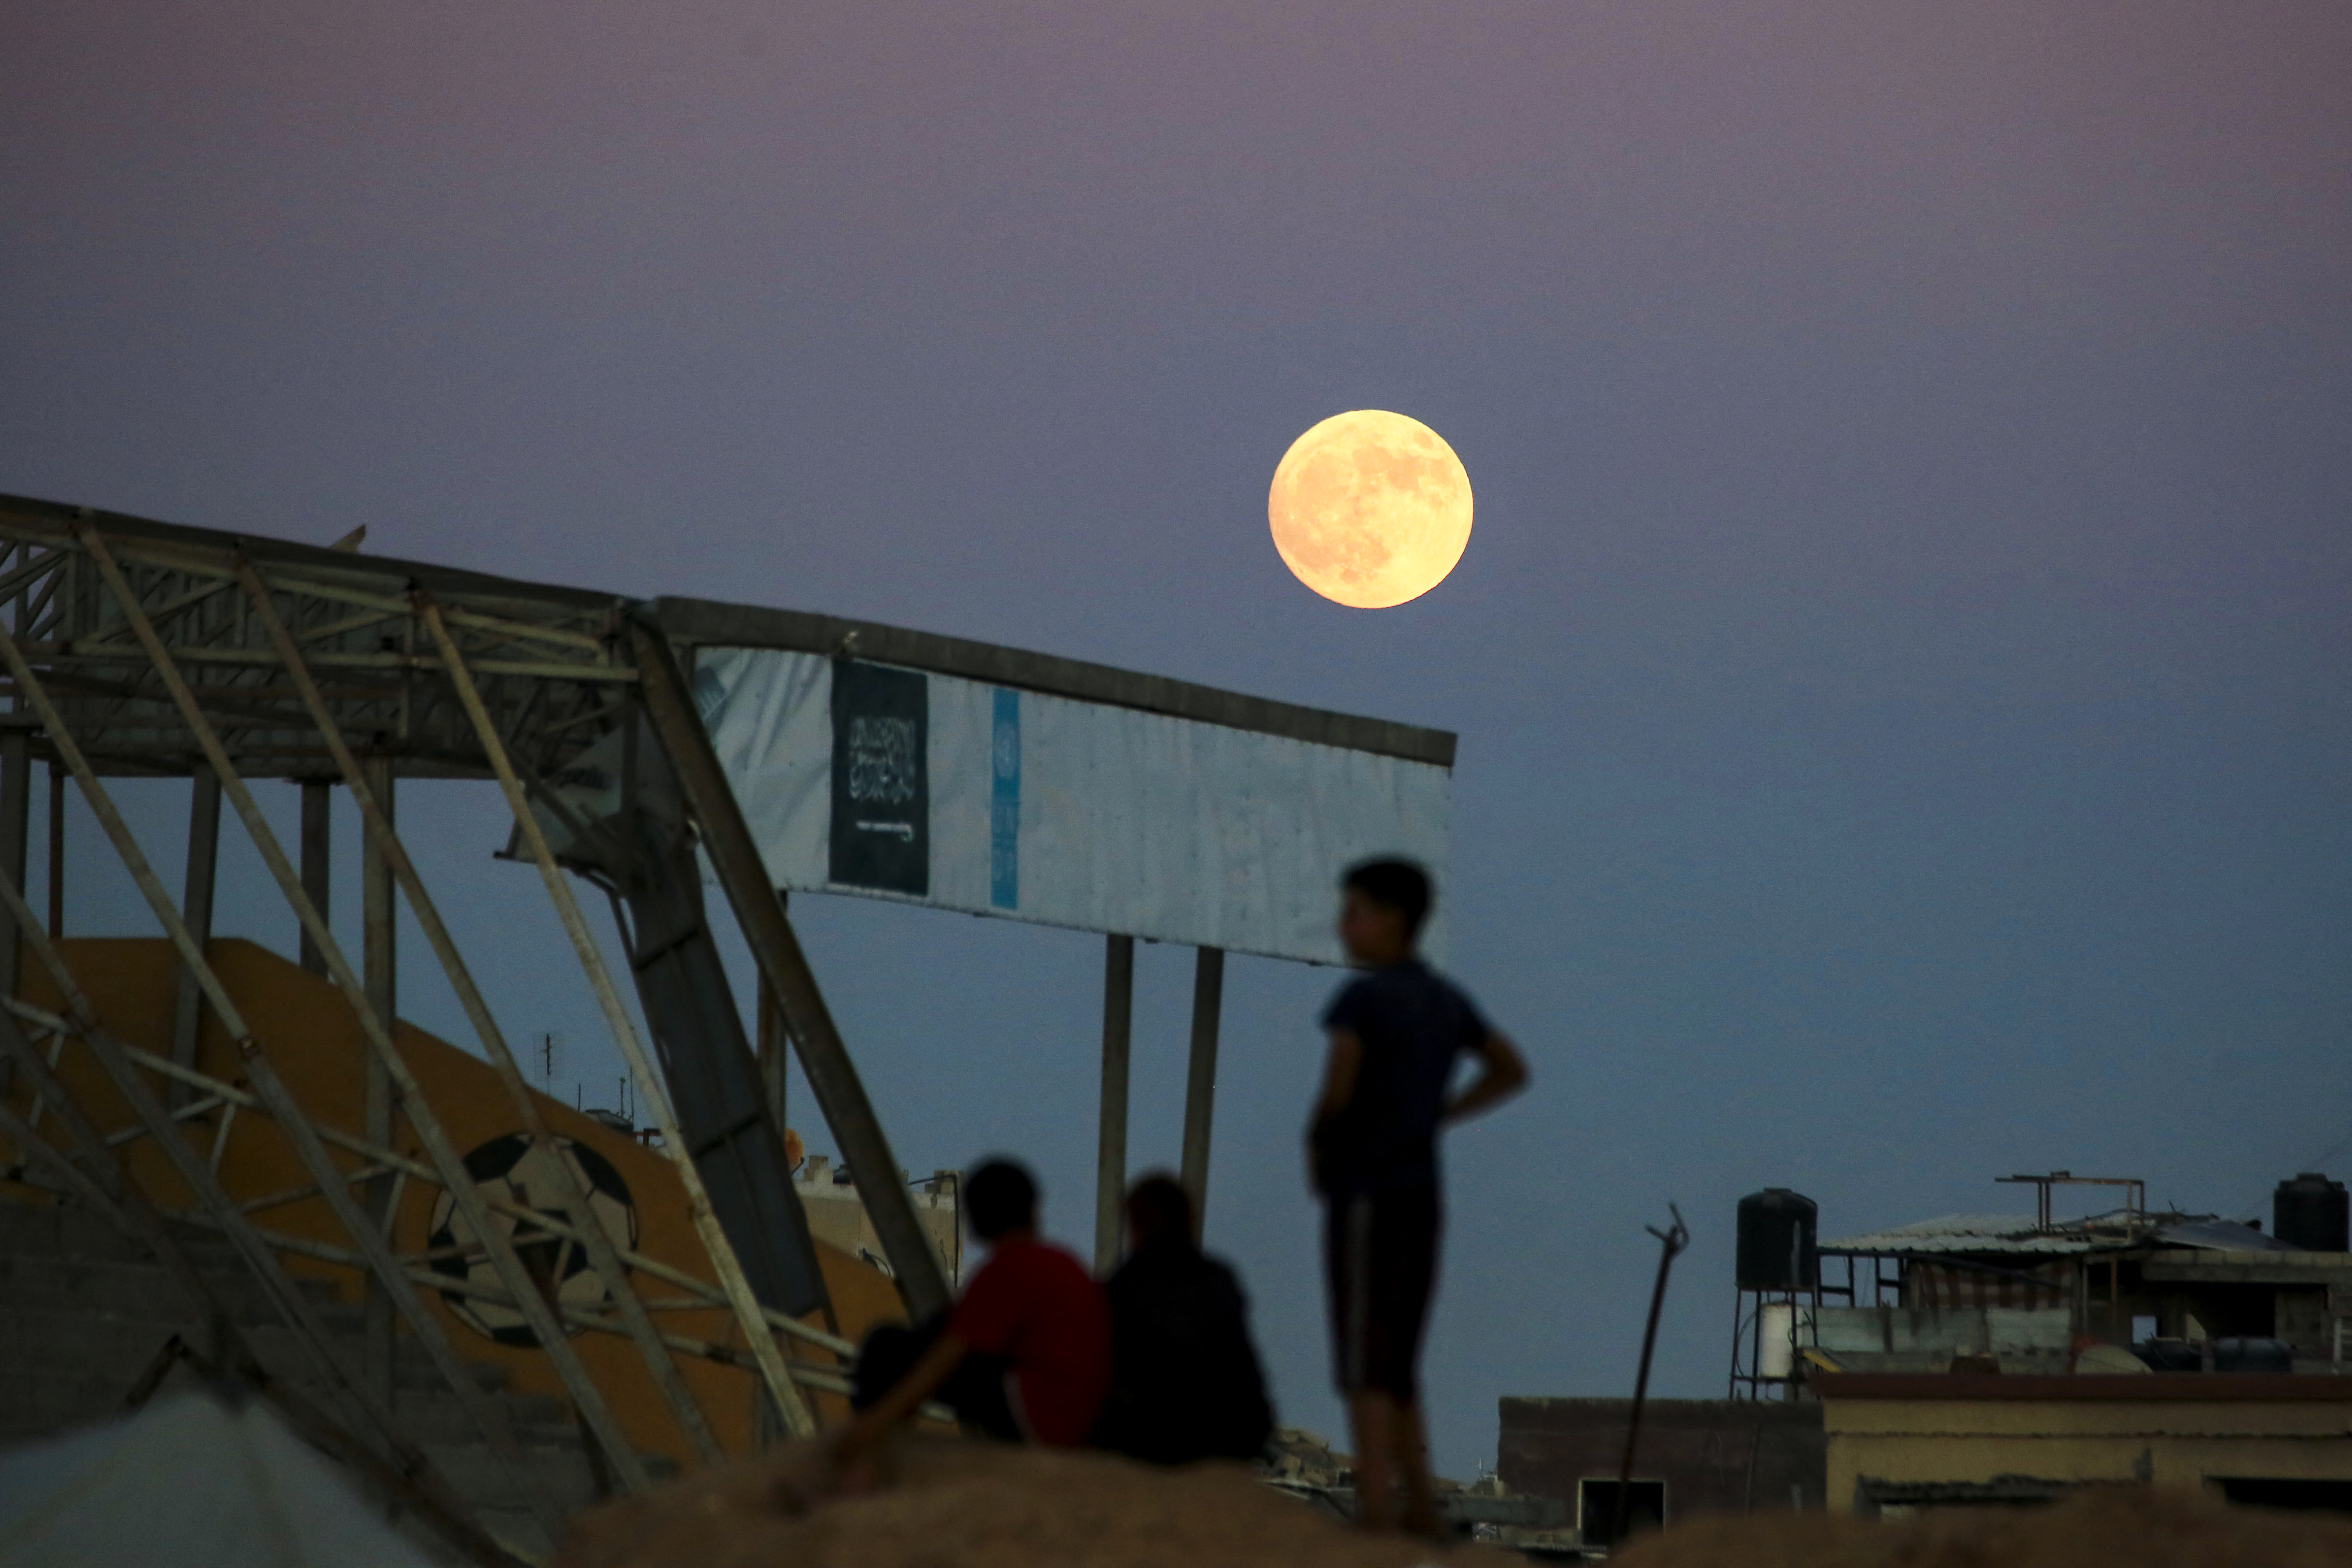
point(2183, 1442)
point(314, 1040)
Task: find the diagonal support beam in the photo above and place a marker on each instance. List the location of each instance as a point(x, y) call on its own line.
point(262, 1072)
point(797, 1417)
point(113, 1058)
point(134, 1219)
point(603, 1257)
point(777, 951)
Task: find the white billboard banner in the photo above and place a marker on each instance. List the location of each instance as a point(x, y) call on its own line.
point(868, 778)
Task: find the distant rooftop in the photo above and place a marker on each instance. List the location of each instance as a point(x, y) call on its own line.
point(1977, 1233)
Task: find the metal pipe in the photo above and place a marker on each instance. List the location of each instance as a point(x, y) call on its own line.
point(262, 1072)
point(317, 861)
point(385, 847)
point(293, 1306)
point(236, 1099)
point(197, 908)
point(1670, 1242)
point(135, 1219)
point(16, 820)
point(379, 978)
point(797, 1416)
point(1110, 1162)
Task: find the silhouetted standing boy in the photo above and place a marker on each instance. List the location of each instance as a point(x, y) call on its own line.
point(1396, 1033)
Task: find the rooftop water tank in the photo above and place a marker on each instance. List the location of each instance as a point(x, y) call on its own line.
point(2312, 1213)
point(1776, 1241)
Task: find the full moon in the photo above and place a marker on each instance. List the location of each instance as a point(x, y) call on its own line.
point(1370, 509)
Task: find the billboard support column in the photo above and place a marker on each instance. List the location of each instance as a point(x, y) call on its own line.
point(1201, 1082)
point(1110, 1173)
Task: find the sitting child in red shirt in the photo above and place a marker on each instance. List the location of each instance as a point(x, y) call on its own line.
point(1024, 1356)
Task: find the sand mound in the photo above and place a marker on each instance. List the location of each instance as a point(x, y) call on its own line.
point(2143, 1527)
point(954, 1504)
point(972, 1505)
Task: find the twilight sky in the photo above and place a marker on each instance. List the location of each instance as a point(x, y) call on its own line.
point(1901, 663)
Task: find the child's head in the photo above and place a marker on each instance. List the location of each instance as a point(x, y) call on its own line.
point(1382, 904)
point(1159, 1209)
point(999, 1198)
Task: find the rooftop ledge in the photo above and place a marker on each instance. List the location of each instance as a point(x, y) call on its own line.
point(2161, 1387)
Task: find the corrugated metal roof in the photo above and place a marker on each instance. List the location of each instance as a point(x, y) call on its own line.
point(1997, 1233)
point(2221, 1235)
point(1967, 1232)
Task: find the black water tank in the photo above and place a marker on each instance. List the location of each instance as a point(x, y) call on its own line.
point(1776, 1241)
point(2312, 1213)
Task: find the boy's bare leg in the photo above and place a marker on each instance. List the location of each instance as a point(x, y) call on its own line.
point(1374, 1418)
point(1412, 1464)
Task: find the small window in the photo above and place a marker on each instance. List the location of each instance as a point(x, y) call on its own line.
point(2262, 1492)
point(1596, 1509)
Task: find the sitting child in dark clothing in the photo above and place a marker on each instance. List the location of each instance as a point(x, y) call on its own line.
point(1023, 1356)
point(1185, 1380)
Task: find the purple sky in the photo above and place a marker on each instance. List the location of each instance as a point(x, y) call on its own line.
point(1901, 665)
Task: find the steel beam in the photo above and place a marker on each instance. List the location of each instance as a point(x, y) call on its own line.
point(798, 1417)
point(197, 908)
point(16, 823)
point(262, 1072)
point(318, 845)
point(833, 1077)
point(1201, 1079)
point(379, 978)
point(604, 1258)
point(1110, 1162)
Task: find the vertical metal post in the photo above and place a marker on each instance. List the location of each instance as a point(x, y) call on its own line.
point(775, 1050)
point(197, 908)
point(57, 849)
point(1200, 1081)
point(262, 1074)
point(380, 977)
point(798, 1418)
point(15, 821)
point(1110, 1168)
point(603, 1256)
point(317, 823)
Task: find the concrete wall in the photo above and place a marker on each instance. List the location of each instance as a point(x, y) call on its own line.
point(1715, 1455)
point(2084, 1430)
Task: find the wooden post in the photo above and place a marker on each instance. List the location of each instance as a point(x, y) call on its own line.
point(316, 820)
point(16, 823)
point(1110, 1170)
point(1201, 1082)
point(196, 910)
point(379, 978)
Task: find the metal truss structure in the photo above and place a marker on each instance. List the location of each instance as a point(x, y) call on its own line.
point(140, 649)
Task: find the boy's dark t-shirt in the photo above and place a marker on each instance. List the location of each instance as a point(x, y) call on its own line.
point(1414, 1024)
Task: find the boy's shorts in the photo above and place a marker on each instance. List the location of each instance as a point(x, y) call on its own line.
point(1379, 1249)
